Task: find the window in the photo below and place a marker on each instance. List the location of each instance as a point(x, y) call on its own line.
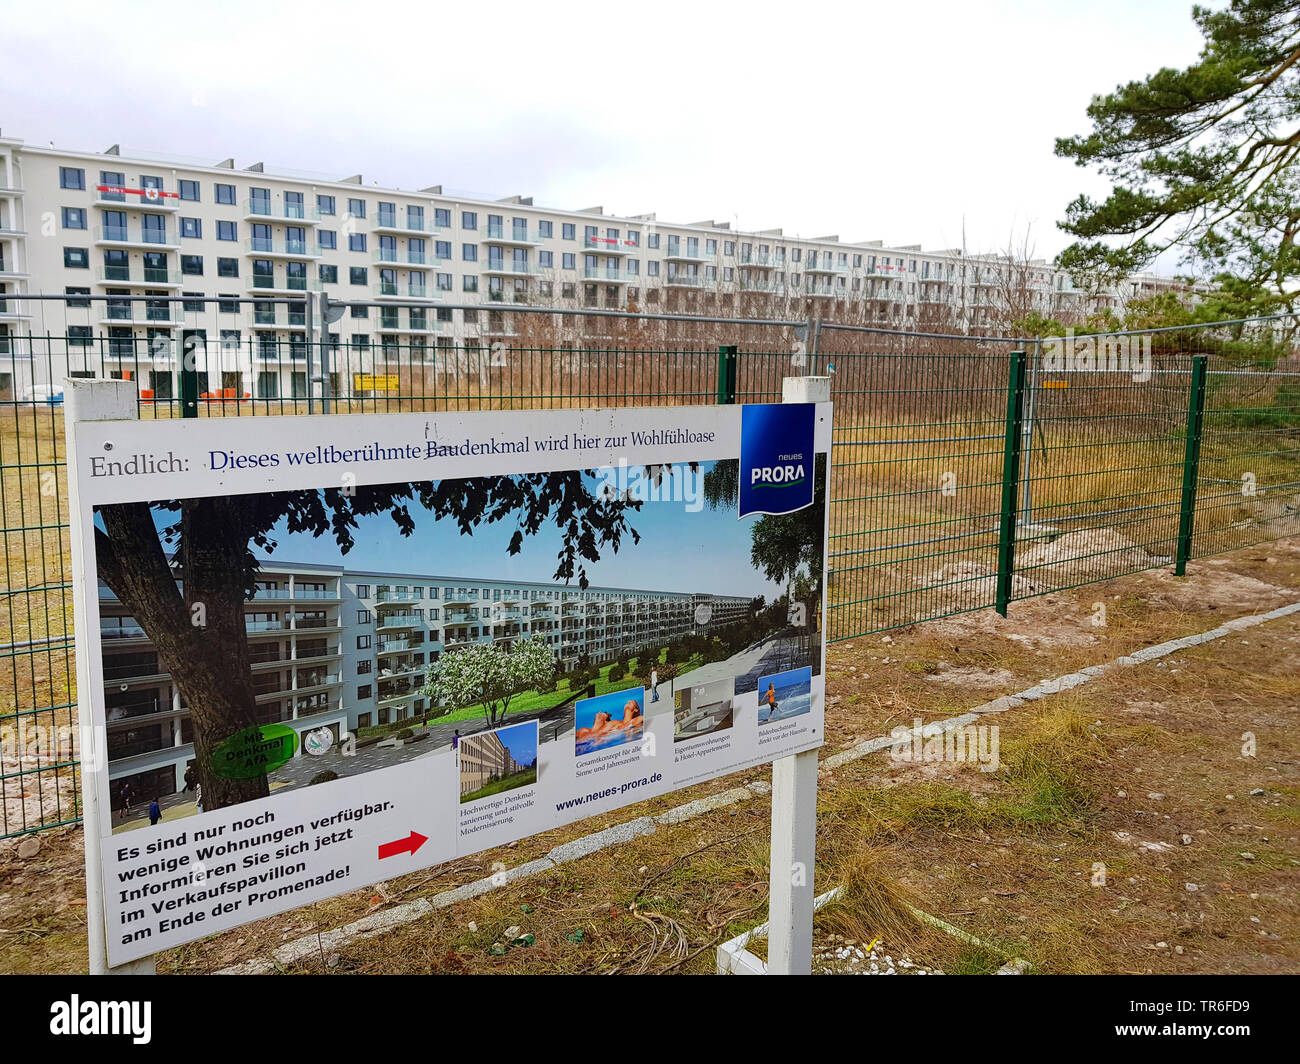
point(569, 260)
point(195, 303)
point(74, 291)
point(357, 275)
point(545, 259)
point(356, 241)
point(363, 591)
point(442, 250)
point(545, 230)
point(729, 248)
point(225, 193)
point(229, 303)
point(363, 642)
point(329, 239)
point(359, 312)
point(72, 177)
point(652, 240)
point(568, 231)
point(189, 191)
point(324, 204)
point(469, 283)
point(468, 219)
point(227, 230)
point(363, 691)
point(364, 667)
point(357, 208)
point(74, 218)
point(441, 218)
point(79, 336)
point(76, 258)
point(469, 252)
point(192, 228)
point(652, 268)
point(363, 616)
point(225, 267)
point(444, 282)
point(192, 264)
point(329, 274)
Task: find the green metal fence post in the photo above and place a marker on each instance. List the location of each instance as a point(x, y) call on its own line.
point(1010, 478)
point(727, 359)
point(1191, 463)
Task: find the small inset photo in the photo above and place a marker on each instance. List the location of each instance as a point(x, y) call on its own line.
point(784, 695)
point(609, 720)
point(496, 761)
point(702, 709)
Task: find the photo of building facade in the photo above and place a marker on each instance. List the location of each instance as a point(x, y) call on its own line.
point(81, 223)
point(345, 650)
point(484, 758)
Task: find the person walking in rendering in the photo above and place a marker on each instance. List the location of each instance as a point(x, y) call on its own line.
point(155, 812)
point(654, 685)
point(455, 745)
point(124, 797)
point(198, 797)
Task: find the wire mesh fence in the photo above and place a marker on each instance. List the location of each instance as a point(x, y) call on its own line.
point(966, 473)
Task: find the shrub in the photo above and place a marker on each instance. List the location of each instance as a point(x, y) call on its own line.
point(323, 777)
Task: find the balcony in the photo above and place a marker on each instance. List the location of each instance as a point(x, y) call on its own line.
point(609, 275)
point(512, 269)
point(397, 596)
point(394, 224)
point(397, 290)
point(146, 278)
point(392, 646)
point(823, 291)
point(271, 248)
point(686, 280)
point(601, 245)
point(826, 268)
point(394, 697)
point(269, 285)
point(120, 236)
point(517, 238)
point(121, 198)
point(394, 259)
point(759, 262)
point(11, 192)
point(263, 211)
point(459, 617)
point(761, 284)
point(398, 620)
point(313, 653)
point(676, 254)
point(136, 315)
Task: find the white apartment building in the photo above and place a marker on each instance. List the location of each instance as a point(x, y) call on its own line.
point(143, 230)
point(346, 650)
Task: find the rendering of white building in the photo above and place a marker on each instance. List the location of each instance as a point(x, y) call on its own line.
point(348, 650)
point(147, 230)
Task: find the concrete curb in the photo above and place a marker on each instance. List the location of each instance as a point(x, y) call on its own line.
point(408, 912)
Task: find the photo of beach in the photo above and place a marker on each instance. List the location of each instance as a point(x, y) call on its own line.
point(702, 709)
point(784, 695)
point(609, 720)
point(495, 761)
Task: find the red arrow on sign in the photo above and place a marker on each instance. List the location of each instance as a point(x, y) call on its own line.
point(407, 845)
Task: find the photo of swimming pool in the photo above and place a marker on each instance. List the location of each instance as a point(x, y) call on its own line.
point(784, 695)
point(608, 720)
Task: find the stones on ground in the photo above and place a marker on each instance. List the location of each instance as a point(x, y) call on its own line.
point(1258, 792)
point(29, 847)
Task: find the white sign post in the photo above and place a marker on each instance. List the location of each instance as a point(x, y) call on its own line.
point(794, 808)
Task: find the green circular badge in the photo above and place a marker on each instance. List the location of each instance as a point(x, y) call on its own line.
point(254, 751)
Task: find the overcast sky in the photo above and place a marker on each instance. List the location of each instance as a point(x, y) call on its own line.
point(906, 122)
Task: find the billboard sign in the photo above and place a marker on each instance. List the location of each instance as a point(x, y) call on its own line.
point(309, 664)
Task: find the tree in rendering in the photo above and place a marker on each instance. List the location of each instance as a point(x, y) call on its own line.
point(198, 628)
point(485, 674)
point(1201, 160)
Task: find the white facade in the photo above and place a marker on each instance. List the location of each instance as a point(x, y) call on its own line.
point(112, 225)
